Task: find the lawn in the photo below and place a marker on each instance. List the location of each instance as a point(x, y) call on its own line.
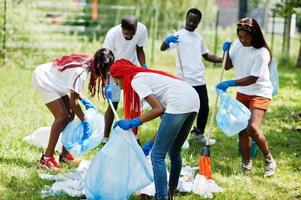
point(22, 112)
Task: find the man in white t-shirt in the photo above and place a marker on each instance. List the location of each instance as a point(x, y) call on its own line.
point(191, 48)
point(126, 41)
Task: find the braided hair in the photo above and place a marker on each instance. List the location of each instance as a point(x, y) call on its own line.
point(102, 60)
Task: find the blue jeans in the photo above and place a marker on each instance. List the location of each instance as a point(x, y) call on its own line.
point(171, 135)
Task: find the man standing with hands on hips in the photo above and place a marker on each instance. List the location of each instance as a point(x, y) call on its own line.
point(126, 41)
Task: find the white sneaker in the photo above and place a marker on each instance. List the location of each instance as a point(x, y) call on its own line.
point(246, 165)
point(270, 165)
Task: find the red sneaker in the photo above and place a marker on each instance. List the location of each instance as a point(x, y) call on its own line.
point(49, 163)
point(68, 158)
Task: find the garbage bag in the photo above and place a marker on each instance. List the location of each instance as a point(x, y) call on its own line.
point(40, 137)
point(73, 133)
point(274, 76)
point(119, 169)
point(232, 116)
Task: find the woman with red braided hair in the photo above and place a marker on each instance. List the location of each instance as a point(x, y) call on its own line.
point(60, 84)
point(177, 101)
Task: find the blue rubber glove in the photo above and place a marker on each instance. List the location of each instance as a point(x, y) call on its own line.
point(87, 129)
point(108, 92)
point(128, 124)
point(226, 46)
point(171, 39)
point(225, 84)
point(87, 103)
point(144, 66)
point(147, 147)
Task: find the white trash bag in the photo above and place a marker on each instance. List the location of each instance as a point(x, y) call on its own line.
point(119, 169)
point(40, 137)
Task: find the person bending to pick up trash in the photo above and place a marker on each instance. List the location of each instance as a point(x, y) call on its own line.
point(191, 50)
point(166, 95)
point(250, 57)
point(60, 83)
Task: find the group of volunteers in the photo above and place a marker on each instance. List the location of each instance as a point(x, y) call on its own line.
point(115, 67)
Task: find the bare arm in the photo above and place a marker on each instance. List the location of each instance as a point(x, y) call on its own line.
point(212, 58)
point(164, 46)
point(74, 97)
point(228, 64)
point(156, 111)
point(140, 55)
point(246, 81)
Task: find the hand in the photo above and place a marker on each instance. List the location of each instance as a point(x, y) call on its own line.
point(87, 103)
point(225, 84)
point(108, 92)
point(226, 46)
point(171, 39)
point(147, 147)
point(128, 124)
point(87, 129)
point(144, 66)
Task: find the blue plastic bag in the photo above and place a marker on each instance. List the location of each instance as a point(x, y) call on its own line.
point(73, 133)
point(119, 169)
point(232, 116)
point(274, 76)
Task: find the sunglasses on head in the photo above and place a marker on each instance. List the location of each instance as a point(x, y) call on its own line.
point(245, 26)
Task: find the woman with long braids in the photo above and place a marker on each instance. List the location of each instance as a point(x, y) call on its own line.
point(167, 95)
point(250, 56)
point(60, 84)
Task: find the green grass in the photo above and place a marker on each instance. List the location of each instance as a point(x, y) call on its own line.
point(22, 111)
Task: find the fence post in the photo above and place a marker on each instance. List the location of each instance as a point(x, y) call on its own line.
point(4, 34)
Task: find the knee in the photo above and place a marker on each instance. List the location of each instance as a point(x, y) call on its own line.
point(156, 157)
point(63, 118)
point(252, 130)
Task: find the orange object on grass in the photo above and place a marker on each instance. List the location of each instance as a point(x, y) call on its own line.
point(205, 163)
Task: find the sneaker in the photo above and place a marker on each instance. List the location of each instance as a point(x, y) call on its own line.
point(246, 165)
point(270, 165)
point(68, 158)
point(200, 137)
point(49, 163)
point(104, 140)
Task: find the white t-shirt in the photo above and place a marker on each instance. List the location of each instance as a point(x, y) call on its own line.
point(53, 80)
point(191, 47)
point(176, 96)
point(249, 61)
point(123, 48)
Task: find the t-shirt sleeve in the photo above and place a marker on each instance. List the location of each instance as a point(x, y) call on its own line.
point(141, 87)
point(109, 40)
point(142, 36)
point(260, 62)
point(78, 83)
point(203, 46)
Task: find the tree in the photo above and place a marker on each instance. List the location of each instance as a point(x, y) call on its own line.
point(286, 9)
